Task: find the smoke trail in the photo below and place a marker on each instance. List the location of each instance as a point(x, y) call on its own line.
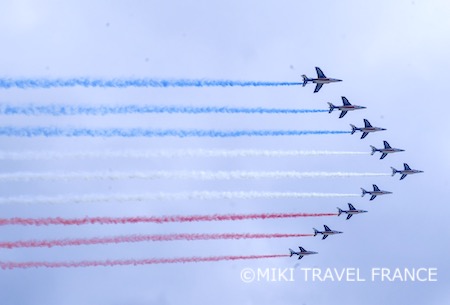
point(139, 132)
point(199, 175)
point(145, 154)
point(198, 195)
point(63, 110)
point(45, 83)
point(132, 262)
point(152, 219)
point(138, 238)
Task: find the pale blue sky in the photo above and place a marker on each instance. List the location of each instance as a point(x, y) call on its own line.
point(393, 58)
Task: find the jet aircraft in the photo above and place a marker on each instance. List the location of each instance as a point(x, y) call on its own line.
point(301, 253)
point(345, 107)
point(326, 232)
point(376, 192)
point(406, 171)
point(366, 129)
point(320, 80)
point(350, 211)
point(386, 150)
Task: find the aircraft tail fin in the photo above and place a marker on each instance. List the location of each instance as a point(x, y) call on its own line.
point(363, 192)
point(394, 171)
point(305, 80)
point(331, 107)
point(315, 231)
point(292, 252)
point(353, 128)
point(374, 149)
point(339, 211)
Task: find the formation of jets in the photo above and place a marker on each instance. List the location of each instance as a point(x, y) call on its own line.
point(368, 128)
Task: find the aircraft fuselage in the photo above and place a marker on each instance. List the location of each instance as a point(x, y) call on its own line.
point(348, 107)
point(378, 193)
point(306, 253)
point(324, 80)
point(389, 150)
point(354, 211)
point(370, 129)
point(409, 171)
point(329, 232)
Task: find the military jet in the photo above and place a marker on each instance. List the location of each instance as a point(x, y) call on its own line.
point(366, 129)
point(301, 253)
point(406, 171)
point(320, 80)
point(376, 192)
point(344, 108)
point(350, 211)
point(326, 232)
point(386, 150)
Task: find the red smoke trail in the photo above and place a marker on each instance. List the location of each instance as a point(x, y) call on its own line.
point(138, 238)
point(134, 262)
point(151, 219)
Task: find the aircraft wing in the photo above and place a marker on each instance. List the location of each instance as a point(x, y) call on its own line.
point(345, 101)
point(367, 123)
point(300, 256)
point(351, 206)
point(376, 188)
point(406, 167)
point(327, 228)
point(324, 236)
point(342, 114)
point(403, 176)
point(318, 86)
point(383, 155)
point(373, 197)
point(320, 74)
point(349, 216)
point(386, 144)
point(364, 135)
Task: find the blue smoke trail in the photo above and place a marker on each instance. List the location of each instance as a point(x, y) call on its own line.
point(25, 83)
point(139, 132)
point(61, 110)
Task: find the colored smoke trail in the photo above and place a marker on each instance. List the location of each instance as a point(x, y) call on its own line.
point(139, 238)
point(196, 195)
point(132, 262)
point(198, 175)
point(45, 83)
point(152, 219)
point(139, 132)
point(63, 110)
point(146, 154)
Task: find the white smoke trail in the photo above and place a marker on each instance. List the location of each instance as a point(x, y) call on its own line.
point(196, 195)
point(145, 154)
point(46, 131)
point(46, 83)
point(198, 175)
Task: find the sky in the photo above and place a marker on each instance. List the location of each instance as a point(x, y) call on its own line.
point(392, 57)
